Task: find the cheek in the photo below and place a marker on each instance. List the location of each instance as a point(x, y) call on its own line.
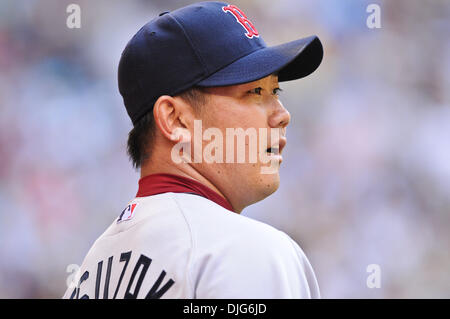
point(235, 115)
point(251, 116)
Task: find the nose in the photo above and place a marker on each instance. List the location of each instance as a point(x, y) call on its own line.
point(280, 117)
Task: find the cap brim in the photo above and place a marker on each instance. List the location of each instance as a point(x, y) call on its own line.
point(292, 60)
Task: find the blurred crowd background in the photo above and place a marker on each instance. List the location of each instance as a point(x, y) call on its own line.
point(366, 172)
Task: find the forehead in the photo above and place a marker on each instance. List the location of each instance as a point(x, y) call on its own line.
point(268, 81)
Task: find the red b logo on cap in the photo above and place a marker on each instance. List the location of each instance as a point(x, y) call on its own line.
point(242, 19)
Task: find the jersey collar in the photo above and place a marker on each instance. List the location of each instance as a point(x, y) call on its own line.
point(169, 183)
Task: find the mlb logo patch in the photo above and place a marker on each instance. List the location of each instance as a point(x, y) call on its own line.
point(127, 213)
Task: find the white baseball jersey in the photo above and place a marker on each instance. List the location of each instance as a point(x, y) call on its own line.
point(182, 245)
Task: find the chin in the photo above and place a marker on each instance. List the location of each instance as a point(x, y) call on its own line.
point(269, 183)
point(258, 188)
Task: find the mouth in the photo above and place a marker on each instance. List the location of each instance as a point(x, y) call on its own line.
point(273, 150)
point(276, 149)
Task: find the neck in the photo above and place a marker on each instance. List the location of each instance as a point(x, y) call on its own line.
point(184, 169)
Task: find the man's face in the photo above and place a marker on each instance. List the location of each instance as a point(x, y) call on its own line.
point(255, 108)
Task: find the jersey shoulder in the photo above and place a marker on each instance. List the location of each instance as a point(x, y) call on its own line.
point(235, 256)
point(208, 221)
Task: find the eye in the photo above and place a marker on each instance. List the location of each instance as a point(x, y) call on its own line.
point(256, 90)
point(276, 91)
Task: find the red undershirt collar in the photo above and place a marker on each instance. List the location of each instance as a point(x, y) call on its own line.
point(169, 183)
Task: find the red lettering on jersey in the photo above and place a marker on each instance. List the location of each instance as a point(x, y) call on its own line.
point(242, 19)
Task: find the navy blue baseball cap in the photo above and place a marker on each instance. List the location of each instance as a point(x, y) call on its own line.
point(205, 44)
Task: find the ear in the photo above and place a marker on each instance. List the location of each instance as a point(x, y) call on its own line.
point(174, 118)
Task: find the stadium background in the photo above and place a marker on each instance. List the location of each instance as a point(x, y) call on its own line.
point(366, 172)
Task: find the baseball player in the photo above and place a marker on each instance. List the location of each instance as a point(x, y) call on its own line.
point(187, 77)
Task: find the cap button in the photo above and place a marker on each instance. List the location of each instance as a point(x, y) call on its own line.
point(163, 13)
